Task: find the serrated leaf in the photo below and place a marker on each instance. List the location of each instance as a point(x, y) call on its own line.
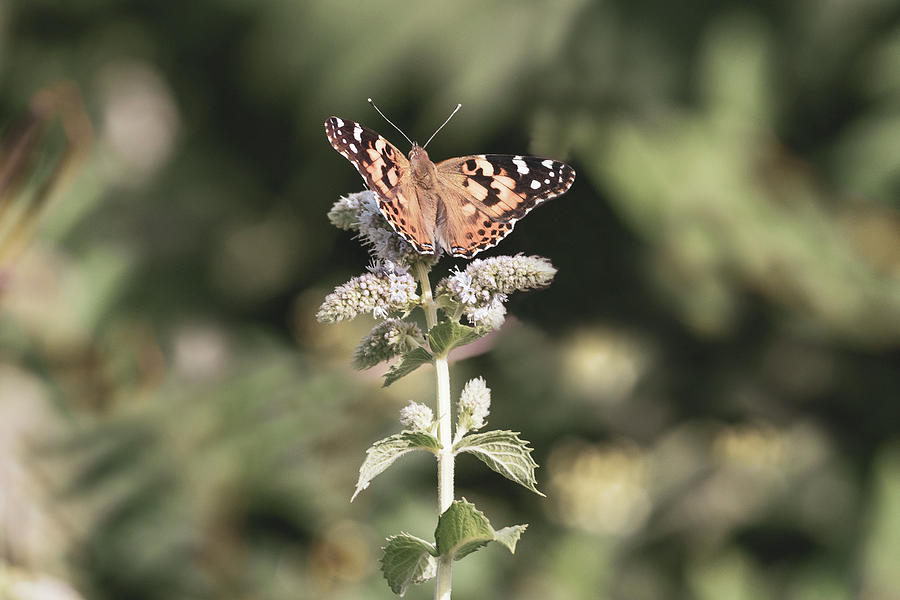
point(509, 536)
point(503, 452)
point(411, 361)
point(461, 530)
point(407, 560)
point(384, 452)
point(447, 335)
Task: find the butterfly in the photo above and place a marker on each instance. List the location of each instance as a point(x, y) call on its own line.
point(461, 205)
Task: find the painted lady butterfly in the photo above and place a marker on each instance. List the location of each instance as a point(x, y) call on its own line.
point(462, 205)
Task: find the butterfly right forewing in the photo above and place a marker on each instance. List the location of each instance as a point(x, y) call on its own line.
point(504, 186)
point(386, 172)
point(492, 192)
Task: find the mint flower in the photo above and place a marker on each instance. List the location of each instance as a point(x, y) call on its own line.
point(346, 212)
point(380, 292)
point(416, 417)
point(491, 315)
point(387, 339)
point(507, 274)
point(473, 406)
point(482, 288)
point(460, 285)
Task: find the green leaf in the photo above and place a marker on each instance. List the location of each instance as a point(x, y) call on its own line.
point(509, 536)
point(384, 452)
point(412, 360)
point(407, 559)
point(463, 529)
point(503, 452)
point(447, 335)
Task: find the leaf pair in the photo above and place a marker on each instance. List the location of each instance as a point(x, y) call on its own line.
point(502, 451)
point(461, 530)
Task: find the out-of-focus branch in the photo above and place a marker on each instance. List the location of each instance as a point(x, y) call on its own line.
point(22, 204)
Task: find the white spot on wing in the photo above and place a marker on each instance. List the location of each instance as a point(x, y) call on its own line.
point(339, 122)
point(357, 133)
point(535, 184)
point(547, 163)
point(521, 167)
point(353, 148)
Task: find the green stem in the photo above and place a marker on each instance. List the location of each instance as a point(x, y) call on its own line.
point(445, 466)
point(445, 433)
point(428, 303)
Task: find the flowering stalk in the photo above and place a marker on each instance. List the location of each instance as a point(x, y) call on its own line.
point(442, 586)
point(391, 294)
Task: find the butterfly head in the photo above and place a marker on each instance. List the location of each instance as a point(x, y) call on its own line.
point(417, 152)
point(421, 166)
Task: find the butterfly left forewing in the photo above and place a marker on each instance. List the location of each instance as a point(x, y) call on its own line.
point(381, 165)
point(386, 172)
point(486, 194)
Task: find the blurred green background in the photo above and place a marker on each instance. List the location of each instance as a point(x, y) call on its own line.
point(712, 384)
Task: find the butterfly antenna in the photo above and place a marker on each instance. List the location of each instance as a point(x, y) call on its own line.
point(391, 122)
point(455, 110)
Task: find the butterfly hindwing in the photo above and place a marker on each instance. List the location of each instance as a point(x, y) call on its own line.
point(467, 230)
point(386, 172)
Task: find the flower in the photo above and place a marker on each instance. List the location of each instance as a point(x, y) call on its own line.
point(346, 212)
point(387, 339)
point(460, 285)
point(508, 274)
point(416, 416)
point(490, 315)
point(482, 288)
point(474, 406)
point(379, 292)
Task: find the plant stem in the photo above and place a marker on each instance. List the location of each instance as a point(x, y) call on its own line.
point(428, 304)
point(445, 434)
point(445, 467)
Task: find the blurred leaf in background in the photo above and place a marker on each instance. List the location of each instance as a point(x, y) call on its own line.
point(711, 385)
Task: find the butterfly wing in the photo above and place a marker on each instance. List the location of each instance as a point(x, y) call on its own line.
point(488, 193)
point(385, 170)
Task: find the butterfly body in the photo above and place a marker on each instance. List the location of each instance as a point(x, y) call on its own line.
point(462, 205)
